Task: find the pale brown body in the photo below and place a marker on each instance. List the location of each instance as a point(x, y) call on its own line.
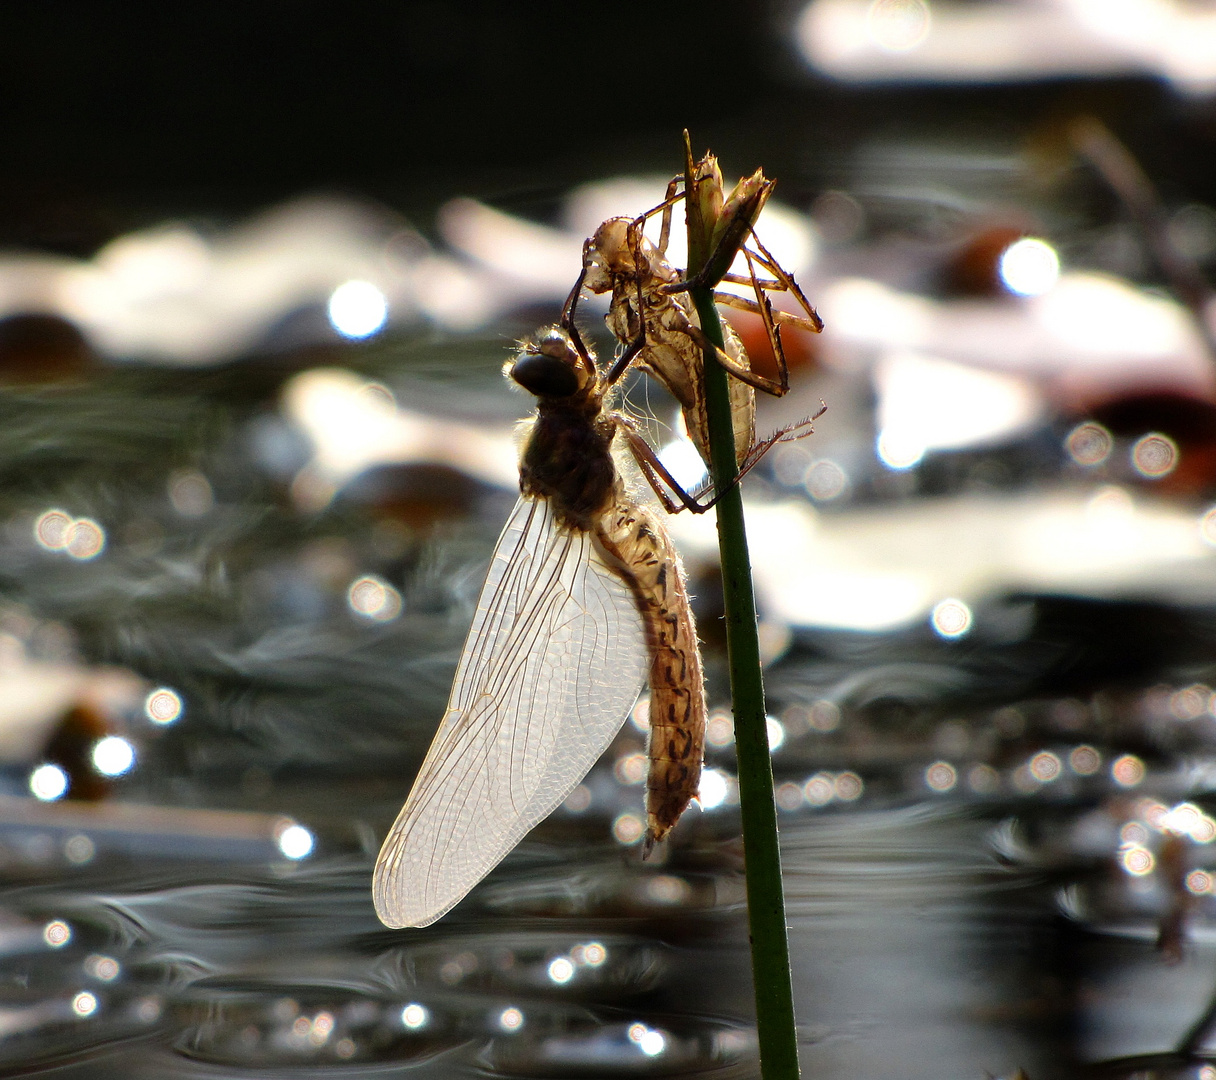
point(673, 353)
point(567, 459)
point(636, 538)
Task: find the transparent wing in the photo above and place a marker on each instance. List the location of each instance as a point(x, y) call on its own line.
point(554, 661)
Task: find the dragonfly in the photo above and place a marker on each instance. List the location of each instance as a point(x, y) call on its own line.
point(584, 601)
point(652, 318)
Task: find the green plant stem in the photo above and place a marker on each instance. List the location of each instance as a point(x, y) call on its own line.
point(775, 1025)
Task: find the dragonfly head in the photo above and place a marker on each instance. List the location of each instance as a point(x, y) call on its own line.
point(551, 367)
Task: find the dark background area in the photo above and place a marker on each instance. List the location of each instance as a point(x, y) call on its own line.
point(977, 933)
point(118, 115)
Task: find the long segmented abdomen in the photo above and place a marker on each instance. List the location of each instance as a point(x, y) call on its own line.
point(677, 688)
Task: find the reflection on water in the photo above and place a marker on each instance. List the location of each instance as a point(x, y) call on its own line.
point(990, 820)
point(232, 598)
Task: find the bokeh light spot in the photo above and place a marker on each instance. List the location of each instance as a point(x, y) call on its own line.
point(1153, 813)
point(1137, 861)
point(951, 618)
point(983, 779)
point(511, 1019)
point(848, 786)
point(295, 841)
point(825, 481)
point(776, 733)
point(1190, 702)
point(1127, 771)
point(357, 309)
point(627, 829)
point(1133, 833)
point(639, 715)
point(105, 968)
point(713, 789)
point(190, 493)
point(1204, 830)
point(113, 756)
point(1045, 767)
point(1199, 882)
point(824, 715)
point(1182, 818)
point(374, 598)
point(941, 776)
point(163, 706)
point(48, 782)
point(84, 1004)
point(631, 769)
point(561, 970)
point(653, 1043)
point(593, 954)
point(1186, 819)
point(85, 539)
point(414, 1016)
point(1089, 444)
point(1207, 527)
point(667, 889)
point(1085, 760)
point(819, 790)
point(720, 730)
point(79, 849)
point(899, 451)
point(321, 1028)
point(57, 933)
point(789, 797)
point(1029, 267)
point(51, 530)
point(1154, 456)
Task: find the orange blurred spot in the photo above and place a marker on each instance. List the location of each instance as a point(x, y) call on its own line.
point(800, 346)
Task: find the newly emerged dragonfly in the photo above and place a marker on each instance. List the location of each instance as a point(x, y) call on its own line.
point(657, 327)
point(583, 602)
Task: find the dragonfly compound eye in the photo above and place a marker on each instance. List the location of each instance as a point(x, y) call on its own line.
point(545, 376)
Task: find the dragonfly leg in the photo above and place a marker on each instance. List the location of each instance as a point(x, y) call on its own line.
point(661, 481)
point(770, 326)
point(739, 279)
point(760, 382)
point(800, 429)
point(765, 258)
point(641, 269)
point(782, 318)
point(657, 475)
point(566, 322)
point(668, 202)
point(783, 282)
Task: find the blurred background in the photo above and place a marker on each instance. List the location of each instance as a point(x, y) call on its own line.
point(260, 266)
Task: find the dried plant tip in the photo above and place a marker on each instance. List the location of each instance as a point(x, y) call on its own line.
point(718, 225)
point(702, 205)
point(742, 207)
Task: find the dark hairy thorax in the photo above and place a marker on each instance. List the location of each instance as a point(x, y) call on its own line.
point(568, 460)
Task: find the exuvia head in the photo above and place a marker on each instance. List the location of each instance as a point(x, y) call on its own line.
point(612, 247)
point(550, 366)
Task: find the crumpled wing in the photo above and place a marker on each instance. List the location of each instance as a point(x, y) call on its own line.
point(552, 665)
